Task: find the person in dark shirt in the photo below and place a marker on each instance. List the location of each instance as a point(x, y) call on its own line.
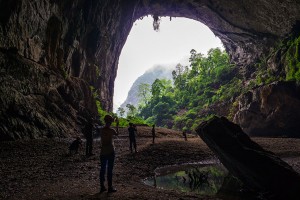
point(74, 147)
point(89, 139)
point(132, 141)
point(153, 133)
point(184, 135)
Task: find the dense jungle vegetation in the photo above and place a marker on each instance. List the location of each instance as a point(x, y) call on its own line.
point(205, 84)
point(176, 104)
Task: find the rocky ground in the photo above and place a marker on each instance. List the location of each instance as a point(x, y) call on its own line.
point(42, 169)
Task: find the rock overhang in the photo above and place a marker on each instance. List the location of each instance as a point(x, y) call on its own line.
point(87, 36)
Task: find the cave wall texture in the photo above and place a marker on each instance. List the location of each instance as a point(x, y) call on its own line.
point(53, 51)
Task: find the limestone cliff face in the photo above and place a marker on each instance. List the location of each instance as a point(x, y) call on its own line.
point(270, 110)
point(37, 102)
point(58, 49)
point(79, 43)
point(75, 38)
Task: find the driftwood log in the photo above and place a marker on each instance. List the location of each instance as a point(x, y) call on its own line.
point(255, 167)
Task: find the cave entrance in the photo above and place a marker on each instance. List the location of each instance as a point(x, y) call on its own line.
point(147, 49)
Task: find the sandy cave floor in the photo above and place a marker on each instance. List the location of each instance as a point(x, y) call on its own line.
point(42, 169)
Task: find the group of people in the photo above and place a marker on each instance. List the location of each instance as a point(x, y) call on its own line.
point(132, 134)
point(107, 154)
point(77, 143)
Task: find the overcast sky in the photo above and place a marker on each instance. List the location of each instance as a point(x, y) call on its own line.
point(171, 45)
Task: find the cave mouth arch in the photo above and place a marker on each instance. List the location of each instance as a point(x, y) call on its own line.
point(146, 48)
point(247, 30)
point(93, 33)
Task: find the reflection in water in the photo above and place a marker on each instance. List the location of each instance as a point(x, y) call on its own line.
point(201, 179)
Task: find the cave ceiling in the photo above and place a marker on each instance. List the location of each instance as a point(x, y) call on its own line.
point(81, 41)
point(87, 34)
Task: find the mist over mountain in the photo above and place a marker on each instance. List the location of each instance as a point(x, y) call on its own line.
point(158, 71)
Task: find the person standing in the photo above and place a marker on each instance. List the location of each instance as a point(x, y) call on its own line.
point(153, 133)
point(184, 135)
point(132, 141)
point(89, 139)
point(107, 155)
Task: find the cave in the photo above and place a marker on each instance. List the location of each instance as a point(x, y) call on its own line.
point(52, 52)
point(57, 58)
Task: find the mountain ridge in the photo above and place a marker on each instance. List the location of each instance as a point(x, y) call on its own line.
point(157, 71)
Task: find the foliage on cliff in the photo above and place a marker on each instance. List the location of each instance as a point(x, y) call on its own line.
point(282, 64)
point(210, 86)
point(208, 80)
point(293, 60)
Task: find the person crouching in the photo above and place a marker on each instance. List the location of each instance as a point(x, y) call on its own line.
point(74, 146)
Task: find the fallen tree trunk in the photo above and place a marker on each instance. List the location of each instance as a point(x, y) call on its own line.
point(257, 168)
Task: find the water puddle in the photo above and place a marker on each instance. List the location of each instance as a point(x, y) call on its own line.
point(205, 178)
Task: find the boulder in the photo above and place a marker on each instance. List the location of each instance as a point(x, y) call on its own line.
point(256, 168)
point(270, 110)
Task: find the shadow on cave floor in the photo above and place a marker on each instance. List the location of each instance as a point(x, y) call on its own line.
point(41, 169)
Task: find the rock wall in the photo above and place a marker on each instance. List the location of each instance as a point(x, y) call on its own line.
point(36, 102)
point(75, 38)
point(80, 41)
point(59, 50)
point(270, 110)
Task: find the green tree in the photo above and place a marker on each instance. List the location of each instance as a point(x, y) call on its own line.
point(144, 92)
point(157, 88)
point(179, 76)
point(131, 110)
point(161, 111)
point(121, 111)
